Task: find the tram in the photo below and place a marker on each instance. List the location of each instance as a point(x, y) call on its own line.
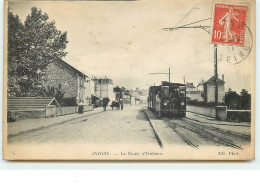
point(168, 99)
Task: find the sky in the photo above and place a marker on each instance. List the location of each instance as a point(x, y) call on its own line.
point(125, 41)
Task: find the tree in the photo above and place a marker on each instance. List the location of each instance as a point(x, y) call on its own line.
point(41, 43)
point(15, 51)
point(236, 101)
point(245, 99)
point(232, 100)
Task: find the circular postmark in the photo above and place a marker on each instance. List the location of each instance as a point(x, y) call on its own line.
point(234, 54)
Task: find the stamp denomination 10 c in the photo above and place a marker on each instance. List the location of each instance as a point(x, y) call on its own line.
point(229, 24)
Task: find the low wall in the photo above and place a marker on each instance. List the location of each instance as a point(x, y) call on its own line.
point(60, 111)
point(66, 110)
point(209, 111)
point(239, 115)
point(222, 113)
point(15, 115)
point(50, 112)
point(206, 111)
point(88, 108)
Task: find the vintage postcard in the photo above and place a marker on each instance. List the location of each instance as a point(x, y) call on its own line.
point(129, 80)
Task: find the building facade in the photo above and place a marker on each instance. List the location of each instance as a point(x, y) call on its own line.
point(71, 80)
point(127, 98)
point(89, 90)
point(104, 88)
point(138, 96)
point(193, 93)
point(209, 90)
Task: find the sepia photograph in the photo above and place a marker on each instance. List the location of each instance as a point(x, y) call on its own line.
point(129, 80)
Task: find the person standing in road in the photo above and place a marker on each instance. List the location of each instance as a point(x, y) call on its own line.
point(121, 104)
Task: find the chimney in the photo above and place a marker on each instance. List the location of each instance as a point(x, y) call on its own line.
point(222, 77)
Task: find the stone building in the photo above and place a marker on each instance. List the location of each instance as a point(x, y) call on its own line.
point(72, 81)
point(209, 90)
point(104, 88)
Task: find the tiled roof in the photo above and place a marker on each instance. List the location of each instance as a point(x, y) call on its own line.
point(212, 80)
point(22, 103)
point(71, 67)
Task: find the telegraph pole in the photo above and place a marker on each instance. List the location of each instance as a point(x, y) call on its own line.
point(100, 87)
point(216, 73)
point(169, 76)
point(205, 28)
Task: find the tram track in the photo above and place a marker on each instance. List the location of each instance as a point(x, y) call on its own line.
point(219, 130)
point(204, 133)
point(184, 138)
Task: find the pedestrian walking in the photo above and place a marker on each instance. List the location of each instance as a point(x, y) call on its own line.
point(105, 102)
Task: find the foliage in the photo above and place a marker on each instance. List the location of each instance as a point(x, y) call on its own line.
point(232, 100)
point(32, 46)
point(202, 103)
point(236, 101)
point(56, 92)
point(70, 101)
point(15, 50)
point(245, 100)
point(236, 116)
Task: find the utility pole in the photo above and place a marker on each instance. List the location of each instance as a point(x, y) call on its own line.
point(216, 73)
point(100, 88)
point(169, 76)
point(205, 28)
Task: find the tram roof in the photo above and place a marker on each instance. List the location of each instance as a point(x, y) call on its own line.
point(156, 88)
point(172, 84)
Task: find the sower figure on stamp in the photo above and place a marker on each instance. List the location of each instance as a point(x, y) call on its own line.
point(227, 20)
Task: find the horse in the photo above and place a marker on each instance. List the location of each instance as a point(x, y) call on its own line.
point(115, 104)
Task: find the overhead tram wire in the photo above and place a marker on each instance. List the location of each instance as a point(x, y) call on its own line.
point(196, 22)
point(188, 26)
point(187, 14)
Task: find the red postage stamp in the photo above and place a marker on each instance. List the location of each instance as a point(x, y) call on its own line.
point(229, 24)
